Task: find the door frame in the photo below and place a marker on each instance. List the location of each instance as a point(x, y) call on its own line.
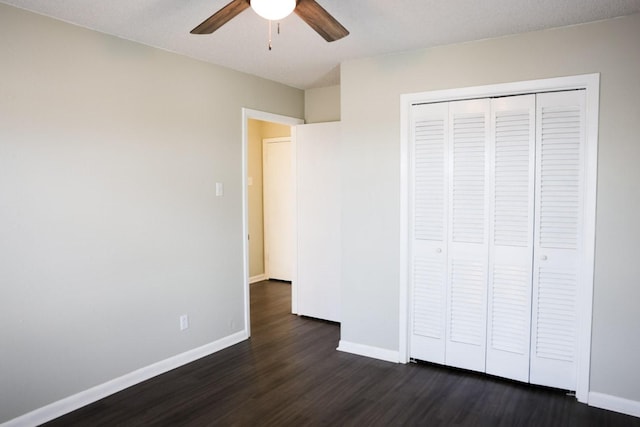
point(589, 82)
point(247, 114)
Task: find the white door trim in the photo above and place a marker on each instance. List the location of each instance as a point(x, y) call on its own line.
point(247, 114)
point(589, 82)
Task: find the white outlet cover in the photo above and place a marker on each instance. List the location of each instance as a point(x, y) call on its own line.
point(184, 322)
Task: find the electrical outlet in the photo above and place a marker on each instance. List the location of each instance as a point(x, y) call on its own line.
point(184, 322)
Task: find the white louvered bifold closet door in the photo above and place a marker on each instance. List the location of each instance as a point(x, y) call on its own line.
point(428, 220)
point(511, 236)
point(560, 146)
point(496, 202)
point(467, 234)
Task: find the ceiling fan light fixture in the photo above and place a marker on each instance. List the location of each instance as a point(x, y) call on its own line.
point(273, 10)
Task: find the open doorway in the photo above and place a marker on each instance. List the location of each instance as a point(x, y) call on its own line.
point(262, 129)
point(271, 198)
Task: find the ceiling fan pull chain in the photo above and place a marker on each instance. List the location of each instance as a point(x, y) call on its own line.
point(278, 28)
point(270, 35)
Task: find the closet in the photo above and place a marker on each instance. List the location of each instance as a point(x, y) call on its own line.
point(496, 206)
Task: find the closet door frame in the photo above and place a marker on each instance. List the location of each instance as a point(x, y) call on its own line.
point(591, 84)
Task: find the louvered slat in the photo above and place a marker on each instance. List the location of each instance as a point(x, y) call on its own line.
point(555, 335)
point(467, 305)
point(468, 178)
point(510, 309)
point(428, 304)
point(429, 180)
point(512, 223)
point(560, 177)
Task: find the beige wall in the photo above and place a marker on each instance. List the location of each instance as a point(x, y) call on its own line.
point(322, 104)
point(370, 92)
point(258, 130)
point(109, 224)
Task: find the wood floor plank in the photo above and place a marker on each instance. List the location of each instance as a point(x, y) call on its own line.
point(290, 374)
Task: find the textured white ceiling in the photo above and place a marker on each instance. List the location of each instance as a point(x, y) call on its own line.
point(300, 57)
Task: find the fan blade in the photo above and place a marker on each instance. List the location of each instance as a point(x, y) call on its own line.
point(221, 17)
point(320, 20)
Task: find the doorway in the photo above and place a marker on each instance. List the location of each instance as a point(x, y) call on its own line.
point(257, 126)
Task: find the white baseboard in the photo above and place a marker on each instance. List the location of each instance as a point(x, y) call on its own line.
point(258, 278)
point(77, 401)
point(369, 351)
point(613, 403)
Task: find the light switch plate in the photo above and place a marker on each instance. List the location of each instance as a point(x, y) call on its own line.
point(184, 322)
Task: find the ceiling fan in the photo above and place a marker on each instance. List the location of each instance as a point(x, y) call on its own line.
point(310, 12)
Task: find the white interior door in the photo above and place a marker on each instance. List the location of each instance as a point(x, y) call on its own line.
point(496, 232)
point(319, 220)
point(512, 163)
point(560, 151)
point(279, 208)
point(428, 230)
point(468, 234)
point(533, 185)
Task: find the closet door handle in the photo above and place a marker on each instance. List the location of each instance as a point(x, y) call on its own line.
point(543, 258)
point(438, 250)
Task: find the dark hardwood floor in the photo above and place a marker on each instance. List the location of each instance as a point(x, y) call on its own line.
point(290, 374)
